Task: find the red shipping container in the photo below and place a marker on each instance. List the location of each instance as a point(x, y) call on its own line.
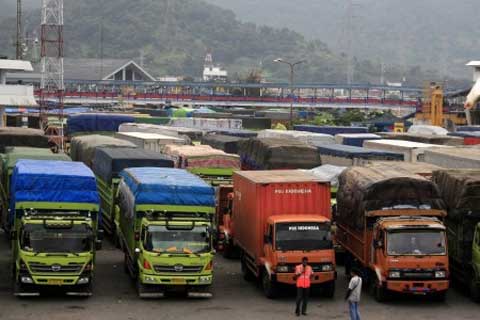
point(293, 194)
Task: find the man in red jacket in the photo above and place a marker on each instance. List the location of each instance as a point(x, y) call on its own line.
point(303, 276)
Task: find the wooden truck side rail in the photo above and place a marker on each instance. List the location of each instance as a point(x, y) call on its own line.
point(355, 242)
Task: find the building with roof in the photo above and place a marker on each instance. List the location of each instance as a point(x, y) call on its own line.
point(14, 95)
point(93, 70)
point(212, 72)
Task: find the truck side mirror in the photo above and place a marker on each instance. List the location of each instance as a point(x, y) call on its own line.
point(378, 244)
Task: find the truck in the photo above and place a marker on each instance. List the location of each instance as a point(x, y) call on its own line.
point(9, 159)
point(166, 230)
point(460, 190)
point(391, 226)
point(212, 165)
point(279, 217)
point(108, 162)
point(54, 210)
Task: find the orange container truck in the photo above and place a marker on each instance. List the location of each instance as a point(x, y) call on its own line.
point(390, 224)
point(278, 218)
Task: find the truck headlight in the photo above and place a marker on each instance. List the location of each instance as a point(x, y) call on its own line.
point(394, 274)
point(440, 274)
point(148, 279)
point(26, 279)
point(83, 280)
point(327, 267)
point(282, 269)
point(205, 279)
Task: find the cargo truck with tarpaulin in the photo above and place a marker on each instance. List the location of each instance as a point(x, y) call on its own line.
point(54, 208)
point(82, 148)
point(390, 224)
point(279, 217)
point(277, 154)
point(166, 227)
point(214, 166)
point(347, 156)
point(108, 162)
point(460, 190)
point(8, 161)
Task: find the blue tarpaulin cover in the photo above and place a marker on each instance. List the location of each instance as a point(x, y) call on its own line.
point(465, 134)
point(53, 181)
point(339, 150)
point(96, 122)
point(166, 186)
point(332, 130)
point(468, 128)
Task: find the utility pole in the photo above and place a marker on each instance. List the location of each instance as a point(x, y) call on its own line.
point(19, 38)
point(291, 83)
point(347, 39)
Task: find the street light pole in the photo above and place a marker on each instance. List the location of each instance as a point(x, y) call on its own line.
point(291, 83)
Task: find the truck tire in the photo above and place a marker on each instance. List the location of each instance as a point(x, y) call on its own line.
point(247, 274)
point(329, 289)
point(269, 286)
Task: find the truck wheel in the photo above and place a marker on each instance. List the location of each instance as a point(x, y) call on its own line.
point(247, 274)
point(269, 286)
point(329, 289)
point(380, 292)
point(474, 289)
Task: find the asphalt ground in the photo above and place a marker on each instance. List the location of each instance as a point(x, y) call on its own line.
point(115, 299)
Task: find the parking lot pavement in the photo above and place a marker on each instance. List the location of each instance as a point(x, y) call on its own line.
point(115, 299)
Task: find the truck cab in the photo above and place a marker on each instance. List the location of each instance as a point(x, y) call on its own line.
point(171, 253)
point(166, 230)
point(409, 255)
point(54, 249)
point(290, 238)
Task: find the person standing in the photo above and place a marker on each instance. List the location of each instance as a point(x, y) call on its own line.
point(353, 294)
point(303, 276)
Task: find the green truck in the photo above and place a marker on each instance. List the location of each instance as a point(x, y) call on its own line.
point(8, 161)
point(460, 190)
point(167, 231)
point(54, 211)
point(108, 162)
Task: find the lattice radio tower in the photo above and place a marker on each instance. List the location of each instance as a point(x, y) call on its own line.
point(52, 85)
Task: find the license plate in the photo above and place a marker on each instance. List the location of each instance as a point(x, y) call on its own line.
point(56, 282)
point(178, 281)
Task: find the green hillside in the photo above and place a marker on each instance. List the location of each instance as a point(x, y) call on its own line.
point(175, 35)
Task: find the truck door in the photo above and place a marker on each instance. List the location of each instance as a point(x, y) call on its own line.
point(378, 247)
point(268, 245)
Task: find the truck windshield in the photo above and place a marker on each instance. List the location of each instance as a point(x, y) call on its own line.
point(165, 240)
point(41, 239)
point(303, 236)
point(416, 242)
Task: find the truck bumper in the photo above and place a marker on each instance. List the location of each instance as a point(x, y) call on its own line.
point(28, 286)
point(318, 278)
point(167, 280)
point(418, 287)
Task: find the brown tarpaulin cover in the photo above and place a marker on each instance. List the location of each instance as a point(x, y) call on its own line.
point(271, 154)
point(22, 137)
point(367, 189)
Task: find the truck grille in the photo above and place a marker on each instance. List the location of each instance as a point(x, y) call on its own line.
point(38, 267)
point(418, 275)
point(316, 267)
point(177, 269)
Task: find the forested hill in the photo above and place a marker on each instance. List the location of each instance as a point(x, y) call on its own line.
point(440, 34)
point(175, 35)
